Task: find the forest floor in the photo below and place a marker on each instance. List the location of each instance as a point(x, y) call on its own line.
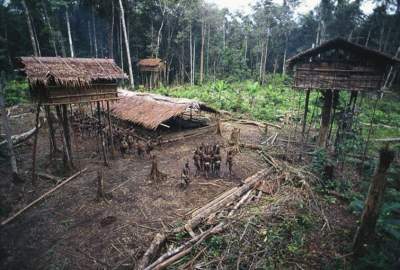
point(71, 230)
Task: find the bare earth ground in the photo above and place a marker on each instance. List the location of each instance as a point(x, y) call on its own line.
point(72, 230)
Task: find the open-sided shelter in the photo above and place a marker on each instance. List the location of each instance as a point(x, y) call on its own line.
point(58, 82)
point(153, 112)
point(152, 71)
point(334, 66)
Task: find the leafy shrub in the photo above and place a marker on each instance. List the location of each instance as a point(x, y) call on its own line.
point(15, 92)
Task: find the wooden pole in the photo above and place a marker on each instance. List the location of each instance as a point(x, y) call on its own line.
point(34, 176)
point(52, 137)
point(67, 158)
point(110, 130)
point(373, 203)
point(305, 113)
point(101, 133)
point(67, 129)
point(325, 118)
point(8, 220)
point(7, 130)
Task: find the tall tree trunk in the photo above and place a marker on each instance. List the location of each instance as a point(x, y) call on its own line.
point(264, 67)
point(96, 53)
point(203, 37)
point(194, 60)
point(208, 49)
point(90, 39)
point(51, 31)
point(30, 28)
point(191, 55)
point(245, 50)
point(62, 45)
point(159, 36)
point(111, 33)
point(285, 55)
point(7, 129)
point(71, 46)
point(261, 62)
point(128, 53)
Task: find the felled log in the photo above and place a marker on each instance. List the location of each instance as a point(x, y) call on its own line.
point(216, 205)
point(53, 178)
point(160, 262)
point(8, 220)
point(152, 251)
point(17, 139)
point(251, 146)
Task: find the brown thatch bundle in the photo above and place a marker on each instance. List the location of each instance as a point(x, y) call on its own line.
point(69, 72)
point(150, 110)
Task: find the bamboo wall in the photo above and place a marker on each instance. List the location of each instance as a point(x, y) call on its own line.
point(55, 95)
point(337, 76)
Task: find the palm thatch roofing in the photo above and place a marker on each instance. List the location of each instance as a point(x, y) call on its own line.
point(69, 72)
point(151, 110)
point(340, 43)
point(151, 64)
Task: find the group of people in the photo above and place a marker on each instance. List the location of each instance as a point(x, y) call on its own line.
point(207, 160)
point(129, 143)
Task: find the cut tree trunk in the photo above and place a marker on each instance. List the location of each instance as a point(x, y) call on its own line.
point(372, 204)
point(152, 251)
point(229, 197)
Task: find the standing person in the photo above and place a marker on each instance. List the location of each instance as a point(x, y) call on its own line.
point(196, 161)
point(185, 176)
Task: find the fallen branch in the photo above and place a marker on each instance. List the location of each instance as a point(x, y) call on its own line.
point(152, 251)
point(220, 202)
point(16, 139)
point(42, 197)
point(160, 262)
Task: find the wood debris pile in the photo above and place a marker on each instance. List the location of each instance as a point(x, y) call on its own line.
point(287, 188)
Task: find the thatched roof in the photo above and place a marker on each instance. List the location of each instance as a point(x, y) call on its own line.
point(150, 62)
point(69, 71)
point(339, 43)
point(151, 110)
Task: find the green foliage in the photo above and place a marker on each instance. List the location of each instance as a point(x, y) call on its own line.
point(16, 92)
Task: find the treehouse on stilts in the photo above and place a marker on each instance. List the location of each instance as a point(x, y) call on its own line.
point(334, 66)
point(152, 72)
point(60, 83)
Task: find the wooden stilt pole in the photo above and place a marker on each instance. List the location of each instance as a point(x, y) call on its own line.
point(373, 203)
point(110, 130)
point(67, 130)
point(52, 137)
point(305, 113)
point(101, 133)
point(34, 176)
point(66, 154)
point(325, 118)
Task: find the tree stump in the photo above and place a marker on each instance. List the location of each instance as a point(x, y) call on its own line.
point(373, 202)
point(100, 185)
point(155, 174)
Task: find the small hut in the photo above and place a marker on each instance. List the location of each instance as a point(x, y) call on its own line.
point(58, 82)
point(335, 66)
point(157, 114)
point(152, 71)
